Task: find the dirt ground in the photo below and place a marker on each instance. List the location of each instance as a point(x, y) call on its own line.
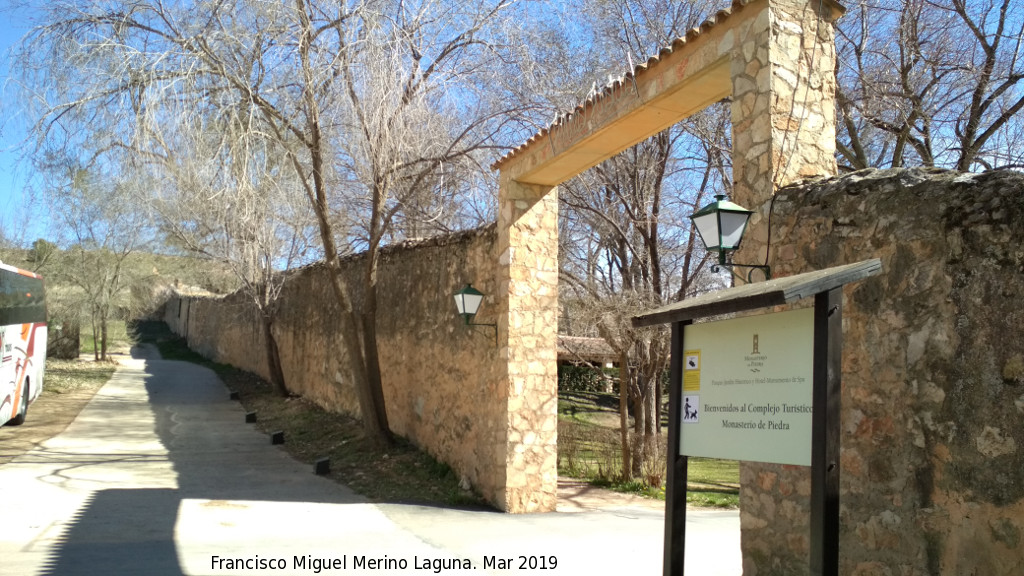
point(48, 416)
point(579, 496)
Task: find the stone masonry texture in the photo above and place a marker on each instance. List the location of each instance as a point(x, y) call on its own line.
point(442, 380)
point(783, 105)
point(932, 445)
point(528, 342)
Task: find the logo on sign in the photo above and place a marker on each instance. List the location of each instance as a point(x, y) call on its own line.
point(755, 360)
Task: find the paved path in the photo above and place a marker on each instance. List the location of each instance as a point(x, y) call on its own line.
point(159, 475)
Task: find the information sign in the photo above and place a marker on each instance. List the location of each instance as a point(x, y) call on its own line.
point(747, 388)
point(762, 388)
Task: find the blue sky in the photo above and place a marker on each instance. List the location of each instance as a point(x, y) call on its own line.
point(14, 175)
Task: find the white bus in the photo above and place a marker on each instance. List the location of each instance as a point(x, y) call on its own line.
point(22, 342)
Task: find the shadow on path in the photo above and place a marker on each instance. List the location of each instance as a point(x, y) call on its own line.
point(160, 433)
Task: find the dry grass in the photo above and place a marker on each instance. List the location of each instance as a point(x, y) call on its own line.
point(589, 448)
point(66, 376)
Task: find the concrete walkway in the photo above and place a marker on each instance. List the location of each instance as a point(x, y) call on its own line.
point(159, 475)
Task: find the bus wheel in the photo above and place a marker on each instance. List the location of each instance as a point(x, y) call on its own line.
point(22, 410)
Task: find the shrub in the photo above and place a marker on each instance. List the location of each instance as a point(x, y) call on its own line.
point(585, 378)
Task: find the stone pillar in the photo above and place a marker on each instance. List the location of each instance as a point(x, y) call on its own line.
point(783, 107)
point(527, 343)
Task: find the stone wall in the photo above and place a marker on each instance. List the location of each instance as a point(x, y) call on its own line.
point(932, 459)
point(442, 379)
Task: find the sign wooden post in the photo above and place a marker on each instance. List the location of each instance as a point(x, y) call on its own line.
point(688, 363)
point(828, 357)
point(675, 487)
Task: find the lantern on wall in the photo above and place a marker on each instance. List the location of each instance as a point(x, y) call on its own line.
point(467, 302)
point(720, 226)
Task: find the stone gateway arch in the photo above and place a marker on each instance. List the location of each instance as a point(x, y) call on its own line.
point(775, 59)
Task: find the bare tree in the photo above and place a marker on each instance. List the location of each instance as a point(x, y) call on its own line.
point(227, 196)
point(420, 64)
point(930, 82)
point(368, 102)
point(102, 227)
point(641, 255)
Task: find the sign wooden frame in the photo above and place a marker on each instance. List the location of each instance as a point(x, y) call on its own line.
point(826, 288)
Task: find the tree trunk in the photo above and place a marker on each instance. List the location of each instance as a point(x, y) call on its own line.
point(103, 337)
point(659, 391)
point(624, 414)
point(95, 344)
point(373, 378)
point(645, 435)
point(352, 337)
point(651, 401)
point(639, 458)
point(372, 354)
point(273, 359)
point(353, 346)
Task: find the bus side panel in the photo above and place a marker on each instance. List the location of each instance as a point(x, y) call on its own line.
point(38, 360)
point(8, 389)
point(29, 357)
point(6, 404)
point(22, 338)
point(24, 356)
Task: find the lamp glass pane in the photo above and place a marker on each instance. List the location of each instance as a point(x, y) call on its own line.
point(470, 303)
point(733, 225)
point(707, 227)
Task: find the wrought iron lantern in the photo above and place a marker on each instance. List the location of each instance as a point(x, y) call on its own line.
point(467, 301)
point(721, 225)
